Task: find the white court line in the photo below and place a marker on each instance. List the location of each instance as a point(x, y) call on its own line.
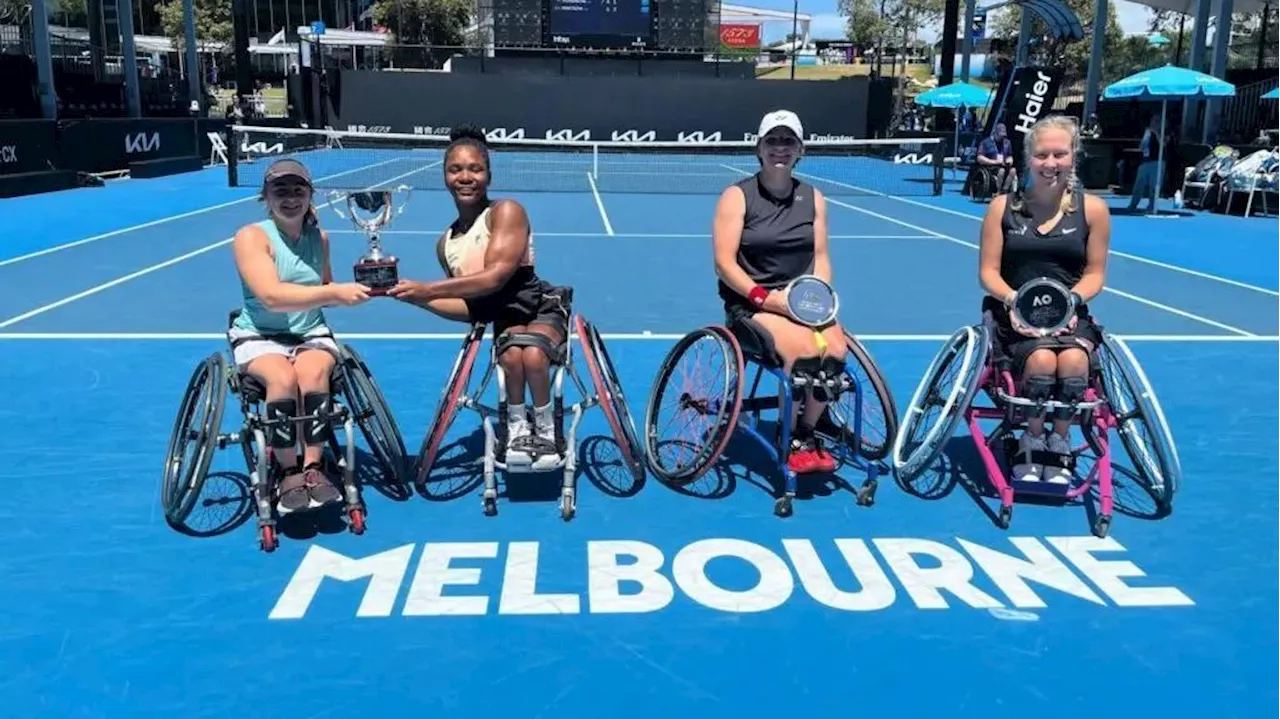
point(1120, 293)
point(1117, 253)
point(600, 204)
point(173, 261)
point(161, 221)
point(643, 336)
point(653, 235)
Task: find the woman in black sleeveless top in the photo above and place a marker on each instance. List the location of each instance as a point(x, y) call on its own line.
point(1052, 229)
point(769, 229)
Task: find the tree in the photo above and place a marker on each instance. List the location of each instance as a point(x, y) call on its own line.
point(213, 22)
point(424, 22)
point(863, 25)
point(1072, 57)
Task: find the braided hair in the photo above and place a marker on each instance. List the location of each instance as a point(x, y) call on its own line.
point(471, 136)
point(1067, 124)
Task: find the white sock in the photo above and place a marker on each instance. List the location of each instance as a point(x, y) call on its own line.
point(543, 420)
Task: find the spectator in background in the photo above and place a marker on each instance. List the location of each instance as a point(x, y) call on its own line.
point(996, 153)
point(1092, 128)
point(1148, 177)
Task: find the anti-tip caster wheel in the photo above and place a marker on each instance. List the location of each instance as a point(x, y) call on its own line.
point(782, 507)
point(1006, 516)
point(867, 493)
point(267, 539)
point(356, 517)
point(490, 506)
point(1102, 526)
point(568, 507)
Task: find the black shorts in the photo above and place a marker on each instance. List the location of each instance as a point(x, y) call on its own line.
point(1009, 346)
point(525, 300)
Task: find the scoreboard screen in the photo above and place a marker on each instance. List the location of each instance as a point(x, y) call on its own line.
point(599, 23)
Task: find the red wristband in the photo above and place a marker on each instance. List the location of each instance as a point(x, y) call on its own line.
point(757, 295)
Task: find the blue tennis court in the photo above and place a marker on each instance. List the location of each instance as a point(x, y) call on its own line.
point(651, 602)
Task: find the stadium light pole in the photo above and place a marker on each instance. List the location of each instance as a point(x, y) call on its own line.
point(130, 53)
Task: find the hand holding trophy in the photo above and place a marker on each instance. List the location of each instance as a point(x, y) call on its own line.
point(371, 211)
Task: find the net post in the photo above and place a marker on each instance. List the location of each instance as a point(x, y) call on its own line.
point(939, 161)
point(595, 161)
point(233, 156)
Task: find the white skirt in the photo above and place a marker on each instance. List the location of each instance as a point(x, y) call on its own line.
point(251, 345)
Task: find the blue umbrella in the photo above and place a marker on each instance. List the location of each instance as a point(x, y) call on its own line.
point(955, 95)
point(1165, 84)
point(1273, 95)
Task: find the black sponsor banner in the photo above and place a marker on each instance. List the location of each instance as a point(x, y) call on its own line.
point(1032, 93)
point(27, 146)
point(108, 144)
point(592, 108)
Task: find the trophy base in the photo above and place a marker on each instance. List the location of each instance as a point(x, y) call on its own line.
point(378, 275)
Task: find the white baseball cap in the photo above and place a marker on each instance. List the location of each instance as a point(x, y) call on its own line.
point(782, 118)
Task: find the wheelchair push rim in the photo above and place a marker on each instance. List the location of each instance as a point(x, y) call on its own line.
point(970, 346)
point(199, 420)
point(609, 391)
point(447, 408)
point(724, 406)
point(880, 412)
point(1140, 419)
point(373, 414)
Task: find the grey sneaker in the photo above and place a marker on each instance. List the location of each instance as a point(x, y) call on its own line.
point(322, 489)
point(292, 492)
point(1025, 470)
point(1059, 445)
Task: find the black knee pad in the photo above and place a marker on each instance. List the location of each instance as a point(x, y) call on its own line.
point(1072, 390)
point(280, 434)
point(317, 430)
point(1038, 388)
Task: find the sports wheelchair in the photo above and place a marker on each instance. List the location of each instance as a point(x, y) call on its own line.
point(198, 430)
point(1118, 397)
point(608, 395)
point(712, 412)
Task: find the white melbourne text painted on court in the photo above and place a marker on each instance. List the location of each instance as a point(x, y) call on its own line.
point(636, 577)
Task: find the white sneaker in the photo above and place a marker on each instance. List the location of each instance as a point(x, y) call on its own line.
point(545, 429)
point(1058, 444)
point(1026, 470)
point(518, 427)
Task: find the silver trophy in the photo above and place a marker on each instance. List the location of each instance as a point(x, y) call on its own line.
point(811, 301)
point(1044, 305)
point(371, 211)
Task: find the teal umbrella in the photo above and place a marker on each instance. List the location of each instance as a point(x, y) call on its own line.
point(1164, 84)
point(955, 96)
point(1273, 95)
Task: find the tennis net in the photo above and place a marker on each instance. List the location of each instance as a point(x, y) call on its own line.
point(344, 160)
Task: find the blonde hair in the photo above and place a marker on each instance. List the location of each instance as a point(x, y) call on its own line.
point(1067, 124)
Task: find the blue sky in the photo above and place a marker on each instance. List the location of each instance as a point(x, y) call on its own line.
point(828, 25)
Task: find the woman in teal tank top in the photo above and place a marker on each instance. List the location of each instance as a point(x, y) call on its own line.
point(281, 337)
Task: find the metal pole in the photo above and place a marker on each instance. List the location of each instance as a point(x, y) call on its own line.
point(795, 32)
point(1221, 43)
point(193, 62)
point(44, 60)
point(1199, 38)
point(124, 11)
point(966, 44)
point(1096, 53)
point(1024, 36)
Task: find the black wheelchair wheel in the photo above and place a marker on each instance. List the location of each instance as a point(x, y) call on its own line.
point(196, 429)
point(373, 415)
point(879, 415)
point(1141, 423)
point(950, 385)
point(447, 409)
point(612, 399)
point(712, 405)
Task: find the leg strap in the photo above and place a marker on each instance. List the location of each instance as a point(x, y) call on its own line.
point(1039, 388)
point(530, 339)
point(280, 427)
point(825, 375)
point(318, 406)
